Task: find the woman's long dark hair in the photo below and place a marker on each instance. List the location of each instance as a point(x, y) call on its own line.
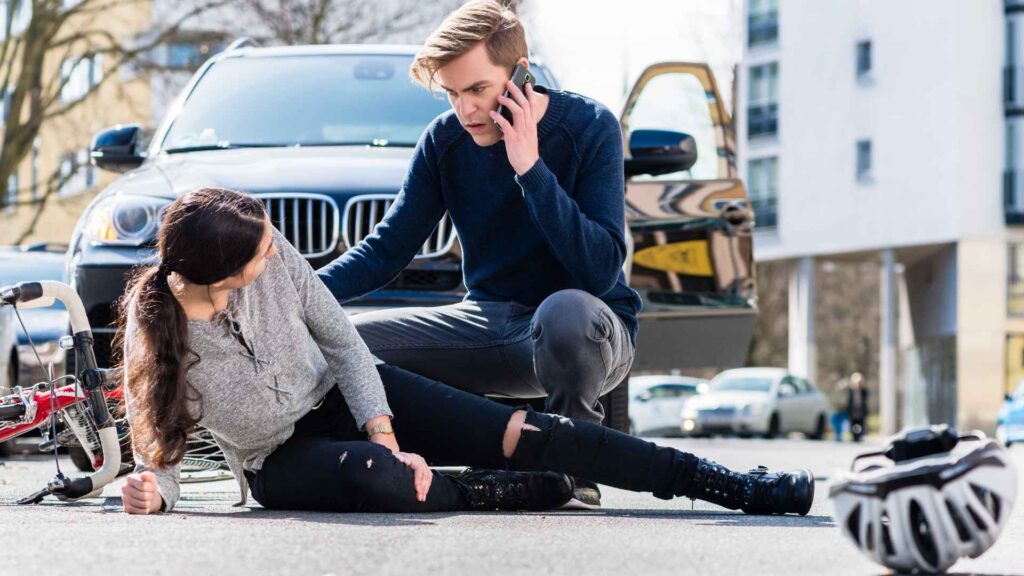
point(205, 236)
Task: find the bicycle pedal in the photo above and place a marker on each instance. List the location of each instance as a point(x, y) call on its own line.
point(36, 497)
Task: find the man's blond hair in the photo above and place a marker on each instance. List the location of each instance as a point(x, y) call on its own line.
point(487, 21)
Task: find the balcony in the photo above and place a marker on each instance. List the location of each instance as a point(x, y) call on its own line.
point(762, 120)
point(1013, 196)
point(766, 212)
point(762, 29)
point(1013, 88)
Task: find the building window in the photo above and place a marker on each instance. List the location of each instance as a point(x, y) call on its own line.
point(1011, 42)
point(21, 19)
point(763, 190)
point(1013, 84)
point(864, 161)
point(76, 174)
point(763, 22)
point(762, 105)
point(191, 55)
point(79, 77)
point(1013, 181)
point(11, 197)
point(1015, 280)
point(863, 59)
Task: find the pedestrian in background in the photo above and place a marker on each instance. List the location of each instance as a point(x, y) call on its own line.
point(839, 400)
point(857, 405)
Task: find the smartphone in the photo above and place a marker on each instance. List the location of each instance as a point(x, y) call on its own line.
point(521, 75)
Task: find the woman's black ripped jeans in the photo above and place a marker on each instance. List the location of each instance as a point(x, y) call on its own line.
point(328, 464)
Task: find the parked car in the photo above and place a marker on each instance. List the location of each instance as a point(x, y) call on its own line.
point(8, 348)
point(655, 402)
point(1010, 424)
point(762, 401)
point(45, 325)
point(323, 135)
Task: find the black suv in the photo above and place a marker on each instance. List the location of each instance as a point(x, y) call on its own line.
point(323, 135)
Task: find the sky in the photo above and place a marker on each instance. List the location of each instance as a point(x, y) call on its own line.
point(599, 48)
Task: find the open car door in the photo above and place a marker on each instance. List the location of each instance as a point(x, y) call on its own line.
point(690, 221)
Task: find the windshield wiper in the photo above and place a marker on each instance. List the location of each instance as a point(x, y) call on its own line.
point(380, 143)
point(233, 145)
point(222, 146)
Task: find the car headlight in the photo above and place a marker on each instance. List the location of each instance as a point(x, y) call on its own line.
point(125, 220)
point(752, 409)
point(48, 352)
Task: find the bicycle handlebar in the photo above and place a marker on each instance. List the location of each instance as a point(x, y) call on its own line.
point(42, 294)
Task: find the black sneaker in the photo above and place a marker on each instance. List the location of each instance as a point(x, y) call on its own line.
point(504, 490)
point(585, 496)
point(756, 492)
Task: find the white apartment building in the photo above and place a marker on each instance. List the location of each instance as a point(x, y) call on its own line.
point(894, 132)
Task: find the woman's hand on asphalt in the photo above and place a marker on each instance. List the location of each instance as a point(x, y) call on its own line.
point(422, 475)
point(139, 494)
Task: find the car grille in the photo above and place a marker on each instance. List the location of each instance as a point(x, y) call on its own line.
point(308, 221)
point(363, 213)
point(719, 412)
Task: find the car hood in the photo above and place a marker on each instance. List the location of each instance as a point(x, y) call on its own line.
point(44, 324)
point(711, 400)
point(324, 170)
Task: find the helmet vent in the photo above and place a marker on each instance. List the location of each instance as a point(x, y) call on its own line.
point(853, 524)
point(869, 537)
point(977, 519)
point(923, 535)
point(958, 521)
point(988, 499)
point(886, 539)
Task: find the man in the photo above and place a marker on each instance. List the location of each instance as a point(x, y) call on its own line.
point(857, 406)
point(538, 206)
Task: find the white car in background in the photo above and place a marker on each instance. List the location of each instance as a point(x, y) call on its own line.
point(655, 402)
point(8, 351)
point(8, 359)
point(761, 401)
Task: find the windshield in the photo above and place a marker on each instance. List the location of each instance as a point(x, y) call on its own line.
point(32, 267)
point(311, 100)
point(743, 384)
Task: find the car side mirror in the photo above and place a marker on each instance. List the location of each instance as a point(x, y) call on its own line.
point(656, 152)
point(644, 396)
point(785, 392)
point(118, 149)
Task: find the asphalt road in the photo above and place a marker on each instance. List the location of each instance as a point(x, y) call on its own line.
point(634, 534)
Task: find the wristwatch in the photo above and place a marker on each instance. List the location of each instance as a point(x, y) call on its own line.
point(380, 428)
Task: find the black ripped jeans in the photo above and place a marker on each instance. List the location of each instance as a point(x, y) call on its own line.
point(327, 464)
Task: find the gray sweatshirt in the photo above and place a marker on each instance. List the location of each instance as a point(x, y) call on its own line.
point(265, 361)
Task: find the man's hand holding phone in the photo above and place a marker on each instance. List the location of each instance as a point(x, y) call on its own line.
point(521, 135)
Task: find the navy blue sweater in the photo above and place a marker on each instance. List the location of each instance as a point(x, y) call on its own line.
point(560, 225)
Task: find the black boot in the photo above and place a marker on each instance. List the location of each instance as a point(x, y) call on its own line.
point(615, 459)
point(503, 490)
point(756, 492)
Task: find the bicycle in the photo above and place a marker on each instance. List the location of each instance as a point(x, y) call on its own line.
point(72, 406)
point(80, 411)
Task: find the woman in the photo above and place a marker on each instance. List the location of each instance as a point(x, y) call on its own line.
point(233, 330)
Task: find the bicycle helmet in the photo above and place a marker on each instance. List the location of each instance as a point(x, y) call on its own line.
point(928, 500)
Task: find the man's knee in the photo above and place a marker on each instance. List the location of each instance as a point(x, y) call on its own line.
point(568, 321)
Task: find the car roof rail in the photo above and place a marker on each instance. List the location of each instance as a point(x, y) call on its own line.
point(243, 42)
